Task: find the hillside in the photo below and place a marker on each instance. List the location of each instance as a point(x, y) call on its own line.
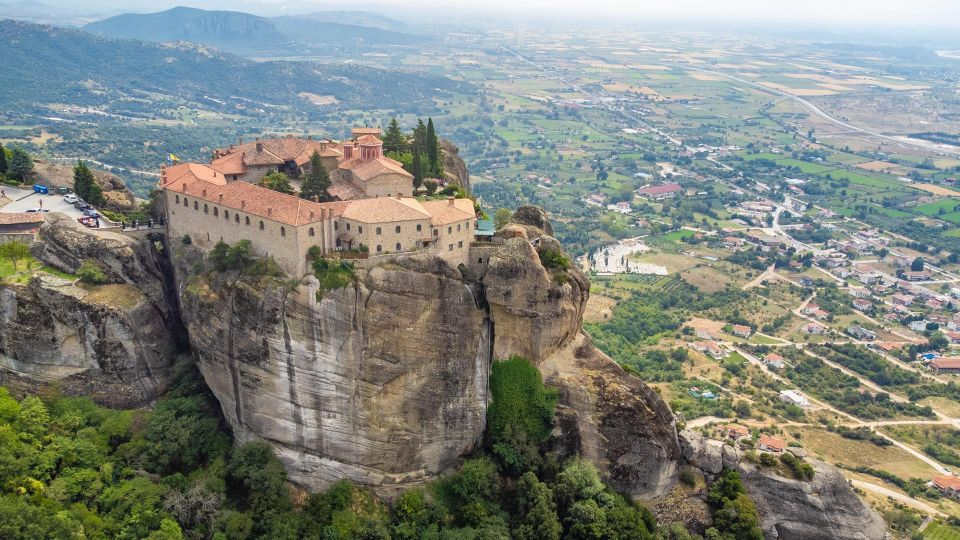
point(243, 33)
point(83, 70)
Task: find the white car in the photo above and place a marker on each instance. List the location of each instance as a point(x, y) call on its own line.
point(70, 198)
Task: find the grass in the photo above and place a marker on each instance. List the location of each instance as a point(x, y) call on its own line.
point(941, 531)
point(933, 209)
point(836, 449)
point(676, 236)
point(26, 269)
point(763, 340)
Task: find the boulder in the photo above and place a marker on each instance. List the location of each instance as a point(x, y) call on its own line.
point(704, 454)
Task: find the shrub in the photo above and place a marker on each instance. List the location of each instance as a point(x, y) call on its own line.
point(186, 240)
point(332, 274)
point(767, 459)
point(687, 477)
point(554, 259)
point(91, 274)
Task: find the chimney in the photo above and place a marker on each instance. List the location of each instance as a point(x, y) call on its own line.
point(221, 198)
point(204, 193)
point(239, 140)
point(243, 204)
point(309, 137)
point(184, 187)
point(399, 195)
point(269, 211)
point(259, 145)
point(311, 214)
point(450, 201)
point(315, 198)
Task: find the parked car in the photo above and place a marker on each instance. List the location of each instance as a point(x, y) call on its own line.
point(70, 198)
point(37, 210)
point(81, 205)
point(90, 212)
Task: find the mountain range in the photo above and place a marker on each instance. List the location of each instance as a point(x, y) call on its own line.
point(48, 64)
point(244, 33)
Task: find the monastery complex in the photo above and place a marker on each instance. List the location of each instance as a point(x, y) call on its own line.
point(372, 204)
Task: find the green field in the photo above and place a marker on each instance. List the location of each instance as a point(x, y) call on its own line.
point(939, 531)
point(933, 209)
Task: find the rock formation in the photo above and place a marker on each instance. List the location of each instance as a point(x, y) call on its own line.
point(115, 342)
point(453, 166)
point(118, 197)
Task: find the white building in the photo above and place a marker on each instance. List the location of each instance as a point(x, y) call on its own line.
point(794, 398)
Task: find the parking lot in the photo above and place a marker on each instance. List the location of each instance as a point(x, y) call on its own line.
point(22, 200)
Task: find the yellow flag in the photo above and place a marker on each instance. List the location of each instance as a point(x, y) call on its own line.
point(174, 158)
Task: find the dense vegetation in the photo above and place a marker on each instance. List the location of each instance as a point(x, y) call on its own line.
point(867, 363)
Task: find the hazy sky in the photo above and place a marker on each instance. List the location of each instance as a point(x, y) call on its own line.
point(850, 13)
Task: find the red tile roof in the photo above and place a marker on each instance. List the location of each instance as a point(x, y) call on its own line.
point(947, 481)
point(444, 213)
point(772, 442)
point(366, 169)
point(661, 189)
point(20, 218)
point(946, 362)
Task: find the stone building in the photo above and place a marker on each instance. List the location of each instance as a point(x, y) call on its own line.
point(213, 202)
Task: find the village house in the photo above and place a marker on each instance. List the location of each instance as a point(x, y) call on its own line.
point(947, 484)
point(621, 207)
point(862, 304)
point(814, 329)
point(660, 192)
point(861, 333)
point(741, 330)
point(21, 226)
point(704, 333)
point(768, 443)
point(902, 299)
point(919, 325)
point(773, 360)
point(945, 364)
point(710, 348)
point(207, 206)
point(922, 275)
point(794, 398)
point(733, 432)
point(859, 292)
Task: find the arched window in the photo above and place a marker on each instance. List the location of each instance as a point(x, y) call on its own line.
point(283, 231)
point(236, 219)
point(216, 212)
point(449, 230)
point(186, 202)
point(247, 219)
point(379, 248)
point(398, 246)
point(178, 199)
point(397, 229)
point(379, 230)
point(261, 225)
point(458, 227)
point(196, 205)
point(310, 232)
point(226, 215)
point(206, 209)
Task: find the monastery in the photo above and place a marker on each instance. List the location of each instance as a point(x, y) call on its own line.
point(373, 207)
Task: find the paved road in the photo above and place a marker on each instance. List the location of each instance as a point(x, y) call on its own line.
point(22, 200)
point(897, 496)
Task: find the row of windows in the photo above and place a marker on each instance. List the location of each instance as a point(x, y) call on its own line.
point(236, 216)
point(379, 230)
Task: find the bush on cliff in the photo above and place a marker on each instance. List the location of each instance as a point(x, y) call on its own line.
point(735, 516)
point(520, 415)
point(332, 274)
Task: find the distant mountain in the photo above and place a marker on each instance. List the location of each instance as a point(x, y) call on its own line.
point(228, 30)
point(47, 64)
point(360, 18)
point(244, 33)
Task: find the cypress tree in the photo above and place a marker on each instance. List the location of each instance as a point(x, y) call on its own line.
point(20, 165)
point(432, 148)
point(3, 160)
point(393, 140)
point(419, 137)
point(417, 169)
point(315, 182)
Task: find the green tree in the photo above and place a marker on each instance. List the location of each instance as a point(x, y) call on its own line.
point(85, 185)
point(417, 169)
point(258, 479)
point(315, 182)
point(218, 255)
point(502, 217)
point(3, 161)
point(537, 513)
point(277, 181)
point(14, 251)
point(393, 139)
point(520, 415)
point(20, 165)
point(433, 150)
point(917, 265)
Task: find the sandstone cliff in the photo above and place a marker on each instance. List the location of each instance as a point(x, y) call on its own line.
point(454, 167)
point(115, 342)
point(118, 197)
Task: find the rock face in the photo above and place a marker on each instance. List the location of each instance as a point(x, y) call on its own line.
point(825, 508)
point(383, 382)
point(115, 343)
point(453, 166)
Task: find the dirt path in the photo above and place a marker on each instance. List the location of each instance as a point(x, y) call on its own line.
point(897, 496)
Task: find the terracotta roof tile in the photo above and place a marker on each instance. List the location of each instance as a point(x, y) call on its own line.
point(345, 191)
point(369, 140)
point(947, 481)
point(442, 212)
point(20, 218)
point(367, 169)
point(384, 209)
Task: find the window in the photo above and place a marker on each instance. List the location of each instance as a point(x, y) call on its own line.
point(215, 212)
point(226, 215)
point(458, 227)
point(283, 231)
point(398, 246)
point(450, 247)
point(419, 227)
point(360, 229)
point(348, 226)
point(480, 260)
point(236, 218)
point(336, 225)
point(234, 177)
point(310, 232)
point(206, 209)
point(379, 231)
point(247, 219)
point(186, 202)
point(449, 230)
point(261, 225)
point(460, 244)
point(196, 205)
point(397, 230)
point(379, 248)
point(178, 199)
point(436, 232)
